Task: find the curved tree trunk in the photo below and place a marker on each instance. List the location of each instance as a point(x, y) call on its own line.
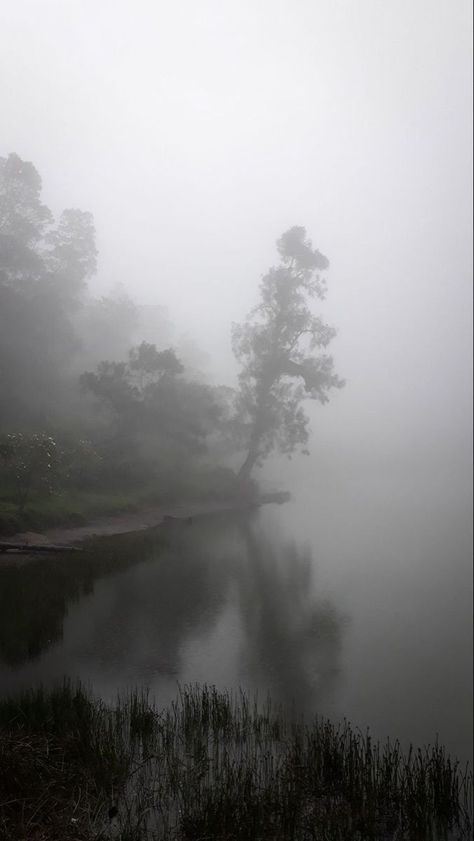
point(247, 466)
point(258, 427)
point(279, 366)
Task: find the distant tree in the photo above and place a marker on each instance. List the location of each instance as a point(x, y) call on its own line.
point(196, 361)
point(281, 351)
point(33, 250)
point(180, 415)
point(112, 385)
point(122, 385)
point(155, 411)
point(72, 255)
point(150, 364)
point(24, 222)
point(43, 272)
point(105, 328)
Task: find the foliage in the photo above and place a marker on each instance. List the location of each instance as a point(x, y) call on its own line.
point(33, 249)
point(43, 272)
point(122, 383)
point(149, 362)
point(79, 459)
point(105, 328)
point(39, 462)
point(157, 415)
point(31, 461)
point(24, 220)
point(72, 255)
point(111, 384)
point(281, 348)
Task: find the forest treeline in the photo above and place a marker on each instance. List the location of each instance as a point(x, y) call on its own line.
point(100, 409)
point(94, 400)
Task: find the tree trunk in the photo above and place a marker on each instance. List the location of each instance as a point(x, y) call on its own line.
point(246, 469)
point(258, 427)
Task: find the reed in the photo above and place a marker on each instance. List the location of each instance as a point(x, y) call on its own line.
point(213, 765)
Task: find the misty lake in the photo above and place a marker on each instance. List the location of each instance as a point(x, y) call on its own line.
point(354, 600)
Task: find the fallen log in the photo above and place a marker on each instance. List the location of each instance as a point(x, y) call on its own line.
point(37, 547)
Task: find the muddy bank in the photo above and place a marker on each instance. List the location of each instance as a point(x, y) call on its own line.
point(130, 522)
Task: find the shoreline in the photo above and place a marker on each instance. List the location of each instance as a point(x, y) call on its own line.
point(77, 756)
point(132, 521)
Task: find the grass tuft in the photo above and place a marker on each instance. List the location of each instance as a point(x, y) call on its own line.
point(213, 766)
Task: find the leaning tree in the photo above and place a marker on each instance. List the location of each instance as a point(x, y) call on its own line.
point(281, 348)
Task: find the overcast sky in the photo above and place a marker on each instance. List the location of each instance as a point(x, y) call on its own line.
point(196, 132)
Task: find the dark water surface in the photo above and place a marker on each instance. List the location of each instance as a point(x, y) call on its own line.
point(351, 601)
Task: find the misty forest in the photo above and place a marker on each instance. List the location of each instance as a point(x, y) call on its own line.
point(236, 421)
point(142, 422)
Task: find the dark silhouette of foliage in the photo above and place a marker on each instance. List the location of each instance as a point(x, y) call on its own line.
point(43, 272)
point(157, 415)
point(30, 462)
point(151, 364)
point(281, 348)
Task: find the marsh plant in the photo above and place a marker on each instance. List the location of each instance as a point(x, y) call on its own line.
point(213, 765)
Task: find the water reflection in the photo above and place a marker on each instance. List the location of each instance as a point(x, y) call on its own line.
point(293, 639)
point(34, 597)
point(146, 608)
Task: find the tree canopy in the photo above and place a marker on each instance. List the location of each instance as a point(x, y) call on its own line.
point(282, 350)
point(44, 268)
point(156, 414)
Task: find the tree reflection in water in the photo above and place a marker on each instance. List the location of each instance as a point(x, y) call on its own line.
point(141, 598)
point(292, 638)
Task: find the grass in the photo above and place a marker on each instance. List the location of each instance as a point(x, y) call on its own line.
point(213, 765)
point(74, 507)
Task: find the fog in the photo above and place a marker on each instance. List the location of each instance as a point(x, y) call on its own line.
point(196, 134)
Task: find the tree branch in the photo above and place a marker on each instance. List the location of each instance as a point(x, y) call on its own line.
point(312, 379)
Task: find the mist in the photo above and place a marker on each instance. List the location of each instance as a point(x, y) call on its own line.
point(195, 135)
point(236, 269)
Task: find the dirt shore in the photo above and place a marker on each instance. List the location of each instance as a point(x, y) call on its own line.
point(119, 524)
point(127, 522)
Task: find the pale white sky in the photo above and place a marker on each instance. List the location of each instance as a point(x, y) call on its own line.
point(196, 132)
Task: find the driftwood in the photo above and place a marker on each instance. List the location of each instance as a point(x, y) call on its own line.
point(276, 496)
point(243, 504)
point(37, 547)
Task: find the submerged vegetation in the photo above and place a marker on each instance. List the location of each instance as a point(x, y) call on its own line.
point(213, 765)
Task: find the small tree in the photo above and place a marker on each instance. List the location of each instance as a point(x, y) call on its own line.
point(281, 350)
point(154, 411)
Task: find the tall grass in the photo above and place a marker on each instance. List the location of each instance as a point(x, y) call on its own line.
point(213, 765)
